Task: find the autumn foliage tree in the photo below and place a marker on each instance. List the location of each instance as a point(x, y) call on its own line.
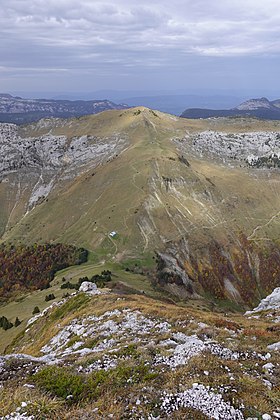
point(25, 268)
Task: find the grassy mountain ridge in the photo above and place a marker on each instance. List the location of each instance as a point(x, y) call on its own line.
point(156, 191)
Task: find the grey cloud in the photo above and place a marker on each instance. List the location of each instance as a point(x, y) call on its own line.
point(187, 26)
point(126, 35)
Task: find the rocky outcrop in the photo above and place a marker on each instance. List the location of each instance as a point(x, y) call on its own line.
point(255, 149)
point(271, 302)
point(45, 160)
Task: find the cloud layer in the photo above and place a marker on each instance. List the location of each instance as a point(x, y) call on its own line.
point(103, 38)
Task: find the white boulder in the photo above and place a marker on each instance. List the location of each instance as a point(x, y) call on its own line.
point(266, 417)
point(274, 346)
point(89, 287)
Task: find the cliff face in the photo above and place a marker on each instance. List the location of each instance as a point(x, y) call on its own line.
point(238, 271)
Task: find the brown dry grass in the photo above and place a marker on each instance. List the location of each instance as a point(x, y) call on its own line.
point(12, 396)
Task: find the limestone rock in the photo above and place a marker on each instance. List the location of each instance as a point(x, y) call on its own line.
point(89, 287)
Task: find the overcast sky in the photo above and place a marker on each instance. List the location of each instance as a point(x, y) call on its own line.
point(87, 45)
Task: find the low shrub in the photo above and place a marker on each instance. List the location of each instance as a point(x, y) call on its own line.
point(51, 296)
point(61, 382)
point(17, 322)
point(36, 310)
point(74, 387)
point(5, 323)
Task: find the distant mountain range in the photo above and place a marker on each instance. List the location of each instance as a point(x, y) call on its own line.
point(258, 108)
point(18, 110)
point(172, 102)
point(14, 109)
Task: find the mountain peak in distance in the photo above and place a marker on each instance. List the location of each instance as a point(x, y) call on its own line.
point(256, 108)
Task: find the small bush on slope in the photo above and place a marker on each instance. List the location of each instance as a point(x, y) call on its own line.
point(61, 382)
point(73, 387)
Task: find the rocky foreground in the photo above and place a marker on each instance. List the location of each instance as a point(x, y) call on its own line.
point(101, 355)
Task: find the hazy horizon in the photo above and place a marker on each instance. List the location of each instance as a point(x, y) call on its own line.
point(172, 102)
point(122, 94)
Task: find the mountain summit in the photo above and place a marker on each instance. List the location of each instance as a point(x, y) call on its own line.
point(255, 104)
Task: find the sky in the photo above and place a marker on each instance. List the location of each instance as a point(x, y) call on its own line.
point(145, 46)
